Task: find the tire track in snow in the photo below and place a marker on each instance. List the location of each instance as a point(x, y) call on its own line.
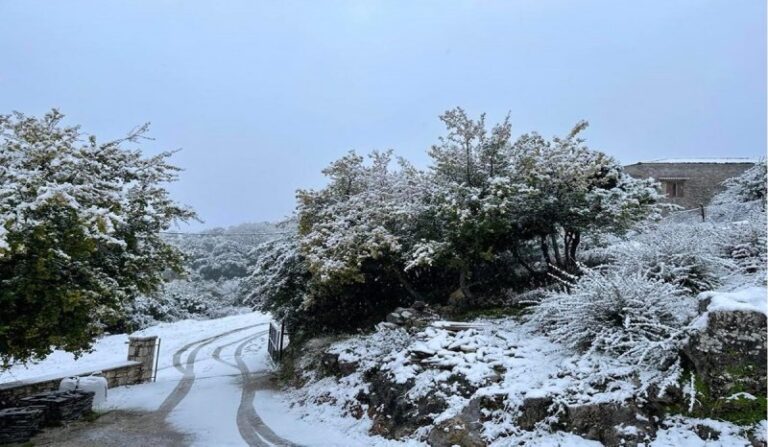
point(252, 428)
point(188, 370)
point(217, 352)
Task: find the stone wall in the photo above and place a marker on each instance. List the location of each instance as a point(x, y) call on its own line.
point(139, 368)
point(702, 180)
point(142, 350)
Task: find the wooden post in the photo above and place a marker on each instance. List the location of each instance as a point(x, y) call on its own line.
point(703, 217)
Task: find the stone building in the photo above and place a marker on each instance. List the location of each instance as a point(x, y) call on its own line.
point(690, 182)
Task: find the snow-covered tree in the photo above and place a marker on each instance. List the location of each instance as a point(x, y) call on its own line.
point(532, 199)
point(79, 232)
point(571, 190)
point(367, 214)
point(747, 187)
point(280, 280)
point(487, 213)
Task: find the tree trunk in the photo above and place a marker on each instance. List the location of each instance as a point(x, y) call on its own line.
point(575, 246)
point(545, 252)
point(520, 260)
point(572, 239)
point(463, 284)
point(556, 249)
point(408, 286)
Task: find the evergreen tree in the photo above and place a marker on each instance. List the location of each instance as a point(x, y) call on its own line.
point(79, 232)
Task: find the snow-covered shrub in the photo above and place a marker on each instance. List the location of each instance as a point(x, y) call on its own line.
point(747, 187)
point(626, 315)
point(685, 255)
point(744, 242)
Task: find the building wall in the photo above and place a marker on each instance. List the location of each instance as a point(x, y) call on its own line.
point(703, 180)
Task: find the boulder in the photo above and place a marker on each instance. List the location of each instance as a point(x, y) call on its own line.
point(532, 411)
point(729, 354)
point(613, 424)
point(454, 432)
point(394, 415)
point(332, 366)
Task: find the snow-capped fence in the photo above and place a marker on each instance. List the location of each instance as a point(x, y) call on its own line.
point(278, 340)
point(726, 212)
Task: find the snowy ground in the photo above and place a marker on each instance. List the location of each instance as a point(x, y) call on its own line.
point(217, 390)
point(213, 384)
point(533, 367)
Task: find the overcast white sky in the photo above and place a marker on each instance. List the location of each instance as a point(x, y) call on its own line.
point(261, 95)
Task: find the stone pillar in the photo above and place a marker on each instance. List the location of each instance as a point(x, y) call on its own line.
point(142, 349)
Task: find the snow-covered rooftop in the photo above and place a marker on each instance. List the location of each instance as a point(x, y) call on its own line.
point(704, 160)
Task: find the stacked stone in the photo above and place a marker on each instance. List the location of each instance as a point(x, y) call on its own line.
point(18, 424)
point(142, 349)
point(60, 406)
point(417, 316)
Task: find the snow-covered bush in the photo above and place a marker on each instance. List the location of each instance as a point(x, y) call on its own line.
point(278, 283)
point(747, 187)
point(626, 315)
point(745, 243)
point(190, 297)
point(686, 255)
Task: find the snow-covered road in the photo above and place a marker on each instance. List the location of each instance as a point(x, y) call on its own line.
point(213, 388)
point(214, 380)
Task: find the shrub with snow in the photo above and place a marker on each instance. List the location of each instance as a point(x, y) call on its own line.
point(747, 187)
point(686, 255)
point(627, 315)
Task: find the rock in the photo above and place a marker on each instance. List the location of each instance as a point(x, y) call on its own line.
point(729, 355)
point(613, 424)
point(728, 362)
point(18, 424)
point(332, 366)
point(532, 411)
point(60, 406)
point(491, 403)
point(419, 305)
point(395, 318)
point(706, 433)
point(393, 414)
point(454, 432)
point(411, 317)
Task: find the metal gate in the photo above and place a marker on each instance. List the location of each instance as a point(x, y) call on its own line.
point(278, 340)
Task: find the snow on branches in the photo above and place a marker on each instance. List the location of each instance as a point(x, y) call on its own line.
point(80, 232)
point(626, 315)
